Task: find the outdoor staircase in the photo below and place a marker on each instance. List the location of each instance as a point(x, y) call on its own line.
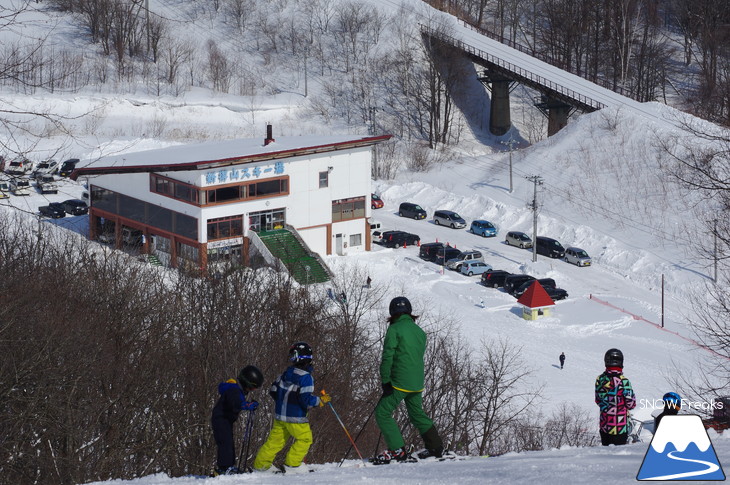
point(302, 265)
point(153, 260)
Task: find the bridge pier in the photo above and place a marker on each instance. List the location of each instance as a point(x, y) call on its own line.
point(500, 120)
point(556, 111)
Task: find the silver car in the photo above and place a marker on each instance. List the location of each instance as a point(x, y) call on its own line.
point(577, 256)
point(519, 239)
point(448, 218)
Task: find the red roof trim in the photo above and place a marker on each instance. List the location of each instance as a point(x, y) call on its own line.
point(258, 157)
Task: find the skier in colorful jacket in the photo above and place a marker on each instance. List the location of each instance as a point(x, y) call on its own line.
point(615, 398)
point(231, 402)
point(402, 378)
point(294, 394)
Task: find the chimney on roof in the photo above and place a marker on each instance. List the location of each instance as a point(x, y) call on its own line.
point(269, 135)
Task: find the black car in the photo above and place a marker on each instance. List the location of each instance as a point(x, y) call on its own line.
point(68, 167)
point(76, 207)
point(396, 239)
point(544, 282)
point(415, 211)
point(556, 293)
point(549, 247)
point(53, 210)
point(514, 281)
point(428, 251)
point(495, 278)
point(445, 254)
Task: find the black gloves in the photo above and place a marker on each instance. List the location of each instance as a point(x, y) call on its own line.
point(387, 389)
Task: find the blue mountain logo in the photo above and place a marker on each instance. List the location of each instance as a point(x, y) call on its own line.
point(681, 450)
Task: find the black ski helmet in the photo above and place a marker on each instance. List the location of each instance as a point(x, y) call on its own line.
point(250, 377)
point(400, 306)
point(300, 353)
point(613, 358)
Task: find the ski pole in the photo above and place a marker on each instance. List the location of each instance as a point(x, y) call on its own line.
point(357, 437)
point(343, 427)
point(246, 440)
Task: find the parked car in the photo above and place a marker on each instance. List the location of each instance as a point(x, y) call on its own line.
point(68, 167)
point(20, 186)
point(549, 247)
point(448, 218)
point(414, 211)
point(20, 166)
point(428, 251)
point(512, 282)
point(46, 167)
point(377, 237)
point(577, 256)
point(375, 226)
point(47, 184)
point(396, 239)
point(456, 263)
point(54, 210)
point(483, 228)
point(132, 237)
point(544, 282)
point(495, 278)
point(470, 268)
point(446, 253)
point(76, 207)
point(556, 293)
point(376, 202)
point(4, 189)
point(519, 239)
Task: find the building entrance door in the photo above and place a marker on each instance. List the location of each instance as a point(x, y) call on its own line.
point(268, 220)
point(339, 241)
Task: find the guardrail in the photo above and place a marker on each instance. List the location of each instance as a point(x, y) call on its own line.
point(531, 52)
point(515, 69)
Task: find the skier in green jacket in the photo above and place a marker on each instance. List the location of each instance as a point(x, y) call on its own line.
point(402, 378)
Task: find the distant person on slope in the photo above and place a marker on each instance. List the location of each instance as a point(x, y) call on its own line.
point(615, 398)
point(402, 378)
point(562, 359)
point(672, 405)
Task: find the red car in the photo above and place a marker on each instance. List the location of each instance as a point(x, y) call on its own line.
point(377, 202)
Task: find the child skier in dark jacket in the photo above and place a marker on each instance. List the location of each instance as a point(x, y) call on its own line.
point(294, 394)
point(225, 412)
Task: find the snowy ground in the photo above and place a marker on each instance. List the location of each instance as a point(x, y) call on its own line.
point(560, 467)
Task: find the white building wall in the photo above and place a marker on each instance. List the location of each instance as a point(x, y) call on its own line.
point(307, 206)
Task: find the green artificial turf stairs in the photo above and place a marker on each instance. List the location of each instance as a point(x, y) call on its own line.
point(285, 246)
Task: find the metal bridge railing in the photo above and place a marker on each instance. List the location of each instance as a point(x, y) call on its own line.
point(524, 73)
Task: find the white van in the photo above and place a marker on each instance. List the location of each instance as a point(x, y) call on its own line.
point(375, 226)
point(47, 184)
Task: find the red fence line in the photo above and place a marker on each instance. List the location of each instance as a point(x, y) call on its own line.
point(639, 317)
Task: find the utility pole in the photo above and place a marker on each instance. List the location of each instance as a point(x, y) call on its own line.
point(536, 180)
point(371, 131)
point(511, 144)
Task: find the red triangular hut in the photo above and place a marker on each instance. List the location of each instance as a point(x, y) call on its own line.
point(535, 302)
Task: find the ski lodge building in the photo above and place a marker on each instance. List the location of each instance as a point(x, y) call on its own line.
point(203, 203)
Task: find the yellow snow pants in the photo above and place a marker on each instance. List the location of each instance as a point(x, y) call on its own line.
point(280, 433)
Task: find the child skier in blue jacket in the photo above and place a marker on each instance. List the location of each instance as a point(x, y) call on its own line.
point(225, 412)
point(294, 394)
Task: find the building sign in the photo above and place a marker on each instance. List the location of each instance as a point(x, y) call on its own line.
point(231, 175)
point(236, 241)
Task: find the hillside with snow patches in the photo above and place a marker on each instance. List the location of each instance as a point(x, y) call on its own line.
point(605, 190)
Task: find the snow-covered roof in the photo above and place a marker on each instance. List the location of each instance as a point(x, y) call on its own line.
point(202, 156)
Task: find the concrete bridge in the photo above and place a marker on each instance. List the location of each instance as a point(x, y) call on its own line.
point(561, 92)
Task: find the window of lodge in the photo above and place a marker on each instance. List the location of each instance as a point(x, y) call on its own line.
point(347, 209)
point(225, 227)
point(220, 194)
